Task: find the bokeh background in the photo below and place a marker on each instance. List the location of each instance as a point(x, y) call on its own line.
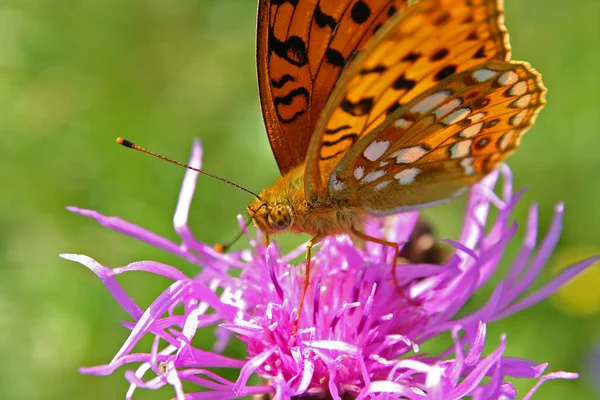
point(76, 74)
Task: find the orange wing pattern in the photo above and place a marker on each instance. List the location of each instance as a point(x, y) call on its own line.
point(441, 141)
point(418, 49)
point(303, 47)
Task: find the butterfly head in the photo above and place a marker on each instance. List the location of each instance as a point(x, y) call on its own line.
point(270, 218)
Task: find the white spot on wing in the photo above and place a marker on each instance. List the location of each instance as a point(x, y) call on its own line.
point(373, 176)
point(467, 164)
point(335, 183)
point(382, 185)
point(519, 89)
point(457, 116)
point(359, 172)
point(505, 140)
point(477, 117)
point(402, 123)
point(484, 74)
point(461, 149)
point(471, 130)
point(430, 102)
point(376, 149)
point(508, 78)
point(516, 120)
point(521, 102)
point(407, 176)
point(409, 155)
point(448, 107)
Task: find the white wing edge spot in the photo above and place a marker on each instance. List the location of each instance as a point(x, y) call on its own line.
point(471, 130)
point(484, 74)
point(409, 155)
point(467, 164)
point(373, 176)
point(359, 172)
point(407, 176)
point(505, 140)
point(461, 149)
point(519, 89)
point(516, 120)
point(402, 123)
point(376, 149)
point(335, 183)
point(477, 117)
point(508, 78)
point(430, 102)
point(521, 102)
point(456, 116)
point(382, 185)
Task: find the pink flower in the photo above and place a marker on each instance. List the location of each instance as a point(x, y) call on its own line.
point(357, 336)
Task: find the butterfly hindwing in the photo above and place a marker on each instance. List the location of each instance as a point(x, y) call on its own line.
point(302, 48)
point(418, 49)
point(442, 141)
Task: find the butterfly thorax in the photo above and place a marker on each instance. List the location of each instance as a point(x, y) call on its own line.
point(285, 208)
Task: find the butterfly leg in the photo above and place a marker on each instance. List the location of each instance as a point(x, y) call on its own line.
point(396, 248)
point(309, 247)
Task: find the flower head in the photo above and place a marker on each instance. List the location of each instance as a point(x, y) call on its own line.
point(357, 336)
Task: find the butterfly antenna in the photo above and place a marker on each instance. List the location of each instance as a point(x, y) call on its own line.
point(131, 145)
point(222, 248)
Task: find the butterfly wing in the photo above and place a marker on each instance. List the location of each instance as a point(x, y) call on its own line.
point(302, 48)
point(424, 69)
point(442, 141)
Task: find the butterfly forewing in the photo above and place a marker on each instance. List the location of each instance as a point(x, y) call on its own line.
point(442, 141)
point(420, 48)
point(303, 47)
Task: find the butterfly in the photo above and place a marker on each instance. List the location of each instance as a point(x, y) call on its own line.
point(377, 107)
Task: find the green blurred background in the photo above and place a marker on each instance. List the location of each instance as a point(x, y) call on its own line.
point(76, 74)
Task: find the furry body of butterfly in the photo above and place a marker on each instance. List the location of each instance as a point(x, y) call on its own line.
point(288, 209)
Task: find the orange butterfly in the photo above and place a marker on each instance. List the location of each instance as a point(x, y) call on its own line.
point(376, 107)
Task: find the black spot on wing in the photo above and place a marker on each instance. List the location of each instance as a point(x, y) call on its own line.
point(445, 72)
point(378, 69)
point(480, 53)
point(323, 19)
point(473, 36)
point(481, 143)
point(439, 55)
point(332, 155)
point(412, 57)
point(404, 84)
point(360, 12)
point(336, 130)
point(480, 103)
point(287, 100)
point(353, 137)
point(334, 57)
point(442, 19)
point(293, 50)
point(491, 123)
point(278, 84)
point(358, 109)
point(392, 108)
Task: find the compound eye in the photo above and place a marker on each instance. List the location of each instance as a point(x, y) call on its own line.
point(280, 217)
